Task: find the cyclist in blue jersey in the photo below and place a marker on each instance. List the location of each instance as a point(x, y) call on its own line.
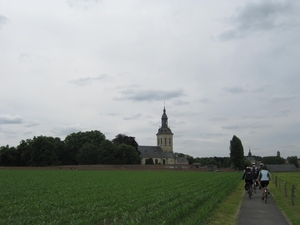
point(264, 177)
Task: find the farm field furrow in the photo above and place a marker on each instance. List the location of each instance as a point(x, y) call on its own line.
point(111, 197)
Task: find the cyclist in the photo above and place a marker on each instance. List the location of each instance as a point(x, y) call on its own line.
point(255, 173)
point(264, 177)
point(260, 169)
point(249, 178)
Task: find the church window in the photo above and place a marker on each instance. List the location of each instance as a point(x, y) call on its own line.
point(170, 141)
point(165, 141)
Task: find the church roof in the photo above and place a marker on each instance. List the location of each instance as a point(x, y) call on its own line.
point(281, 167)
point(154, 152)
point(182, 160)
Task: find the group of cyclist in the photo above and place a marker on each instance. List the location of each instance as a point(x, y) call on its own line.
point(259, 177)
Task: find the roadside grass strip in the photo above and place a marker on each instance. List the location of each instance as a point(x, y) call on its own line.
point(112, 197)
point(282, 198)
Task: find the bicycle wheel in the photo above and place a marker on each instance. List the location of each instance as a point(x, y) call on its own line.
point(249, 190)
point(266, 196)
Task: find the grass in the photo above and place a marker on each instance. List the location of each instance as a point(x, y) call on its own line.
point(285, 203)
point(227, 212)
point(116, 197)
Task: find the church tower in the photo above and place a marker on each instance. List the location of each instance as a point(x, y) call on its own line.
point(165, 135)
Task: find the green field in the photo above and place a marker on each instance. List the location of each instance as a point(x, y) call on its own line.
point(282, 198)
point(111, 197)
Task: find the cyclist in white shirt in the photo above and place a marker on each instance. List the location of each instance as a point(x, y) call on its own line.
point(264, 177)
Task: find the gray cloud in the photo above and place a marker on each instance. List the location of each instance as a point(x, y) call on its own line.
point(234, 89)
point(218, 118)
point(206, 100)
point(32, 123)
point(246, 126)
point(26, 57)
point(153, 51)
point(83, 4)
point(280, 98)
point(9, 119)
point(261, 17)
point(90, 80)
point(3, 20)
point(68, 129)
point(180, 102)
point(150, 95)
point(132, 117)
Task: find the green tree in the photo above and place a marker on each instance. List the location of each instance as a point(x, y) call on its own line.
point(75, 141)
point(190, 159)
point(24, 149)
point(128, 154)
point(107, 153)
point(273, 160)
point(9, 156)
point(293, 160)
point(88, 154)
point(124, 139)
point(43, 151)
point(237, 153)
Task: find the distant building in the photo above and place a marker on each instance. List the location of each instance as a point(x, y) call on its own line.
point(163, 152)
point(250, 158)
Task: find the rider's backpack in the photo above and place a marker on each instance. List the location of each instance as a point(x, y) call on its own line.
point(248, 176)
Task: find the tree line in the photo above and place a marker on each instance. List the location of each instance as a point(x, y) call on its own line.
point(81, 148)
point(92, 147)
point(239, 161)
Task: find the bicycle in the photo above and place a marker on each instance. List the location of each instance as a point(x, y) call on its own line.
point(249, 190)
point(266, 196)
point(254, 187)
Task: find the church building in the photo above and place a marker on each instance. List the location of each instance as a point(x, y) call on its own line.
point(163, 152)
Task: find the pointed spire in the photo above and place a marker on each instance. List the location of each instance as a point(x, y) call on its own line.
point(164, 119)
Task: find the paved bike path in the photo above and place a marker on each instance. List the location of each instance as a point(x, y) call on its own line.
point(254, 211)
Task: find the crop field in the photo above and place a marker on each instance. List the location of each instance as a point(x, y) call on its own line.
point(283, 193)
point(111, 197)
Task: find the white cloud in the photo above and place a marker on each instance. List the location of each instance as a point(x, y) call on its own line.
point(90, 80)
point(10, 119)
point(64, 130)
point(262, 16)
point(219, 69)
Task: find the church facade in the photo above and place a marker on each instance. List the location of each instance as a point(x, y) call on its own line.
point(162, 153)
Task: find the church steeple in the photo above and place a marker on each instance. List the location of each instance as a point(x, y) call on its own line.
point(164, 134)
point(164, 119)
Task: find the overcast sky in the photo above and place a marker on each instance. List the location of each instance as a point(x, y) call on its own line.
point(221, 68)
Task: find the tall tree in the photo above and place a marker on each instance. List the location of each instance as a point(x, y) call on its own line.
point(273, 160)
point(108, 153)
point(9, 156)
point(88, 154)
point(237, 153)
point(75, 141)
point(44, 151)
point(24, 148)
point(124, 139)
point(293, 160)
point(128, 154)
